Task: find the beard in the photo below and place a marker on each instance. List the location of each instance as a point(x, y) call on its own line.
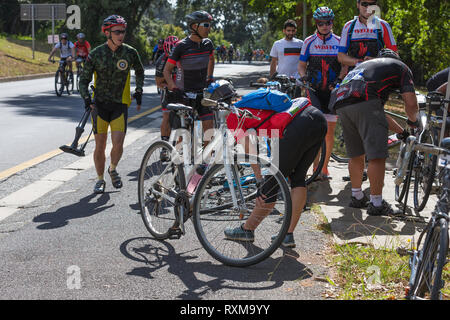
point(289, 36)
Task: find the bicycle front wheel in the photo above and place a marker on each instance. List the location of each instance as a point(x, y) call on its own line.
point(428, 281)
point(403, 188)
point(59, 83)
point(273, 219)
point(69, 80)
point(159, 182)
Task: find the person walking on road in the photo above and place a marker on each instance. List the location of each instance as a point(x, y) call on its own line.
point(359, 102)
point(286, 52)
point(111, 65)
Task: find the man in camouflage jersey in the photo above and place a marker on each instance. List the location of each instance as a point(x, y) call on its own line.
point(110, 64)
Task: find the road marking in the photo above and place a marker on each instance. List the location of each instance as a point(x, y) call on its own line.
point(27, 164)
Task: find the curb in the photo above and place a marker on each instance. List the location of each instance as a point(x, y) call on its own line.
point(27, 77)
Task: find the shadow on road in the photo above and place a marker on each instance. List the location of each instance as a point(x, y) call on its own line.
point(155, 255)
point(83, 209)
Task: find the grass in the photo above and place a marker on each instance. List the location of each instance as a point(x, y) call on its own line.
point(362, 272)
point(16, 57)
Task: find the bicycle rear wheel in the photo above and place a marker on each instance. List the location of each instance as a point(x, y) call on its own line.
point(400, 190)
point(59, 83)
point(210, 225)
point(339, 152)
point(428, 281)
point(159, 183)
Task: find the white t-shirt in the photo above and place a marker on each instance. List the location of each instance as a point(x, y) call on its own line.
point(288, 55)
point(65, 49)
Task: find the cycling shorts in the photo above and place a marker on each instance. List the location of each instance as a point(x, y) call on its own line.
point(204, 113)
point(319, 99)
point(110, 114)
point(297, 155)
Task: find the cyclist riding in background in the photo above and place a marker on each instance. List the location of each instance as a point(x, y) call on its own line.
point(295, 157)
point(320, 67)
point(158, 50)
point(66, 49)
point(111, 65)
point(194, 58)
point(359, 102)
point(230, 53)
point(169, 43)
point(285, 52)
point(82, 48)
point(362, 38)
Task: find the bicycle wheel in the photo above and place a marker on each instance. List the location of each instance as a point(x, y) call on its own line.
point(339, 152)
point(69, 81)
point(59, 83)
point(78, 79)
point(159, 183)
point(400, 190)
point(428, 281)
point(211, 224)
point(312, 174)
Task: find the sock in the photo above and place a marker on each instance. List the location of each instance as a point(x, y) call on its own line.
point(165, 138)
point(357, 193)
point(376, 200)
point(100, 177)
point(112, 167)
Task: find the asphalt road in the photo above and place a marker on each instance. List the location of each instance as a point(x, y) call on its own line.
point(60, 241)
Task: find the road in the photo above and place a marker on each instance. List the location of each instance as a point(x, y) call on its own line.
point(60, 241)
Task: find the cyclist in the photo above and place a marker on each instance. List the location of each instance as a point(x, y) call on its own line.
point(295, 157)
point(158, 50)
point(362, 39)
point(82, 48)
point(319, 66)
point(230, 53)
point(285, 52)
point(66, 49)
point(438, 82)
point(111, 63)
point(194, 58)
point(169, 44)
point(359, 103)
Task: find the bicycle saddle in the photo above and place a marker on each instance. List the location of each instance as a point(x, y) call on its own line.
point(178, 107)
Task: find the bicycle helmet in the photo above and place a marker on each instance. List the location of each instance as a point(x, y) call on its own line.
point(323, 13)
point(81, 35)
point(112, 21)
point(169, 43)
point(64, 36)
point(388, 53)
point(197, 17)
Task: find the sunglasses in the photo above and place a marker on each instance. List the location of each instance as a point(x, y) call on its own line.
point(117, 32)
point(204, 24)
point(324, 23)
point(366, 4)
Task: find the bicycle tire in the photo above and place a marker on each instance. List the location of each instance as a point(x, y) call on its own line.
point(318, 170)
point(69, 80)
point(78, 79)
point(400, 190)
point(339, 152)
point(210, 228)
point(433, 258)
point(59, 84)
point(425, 173)
point(158, 213)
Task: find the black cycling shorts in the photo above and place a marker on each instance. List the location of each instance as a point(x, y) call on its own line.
point(299, 146)
point(204, 113)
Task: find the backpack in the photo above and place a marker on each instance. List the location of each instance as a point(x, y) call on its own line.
point(265, 99)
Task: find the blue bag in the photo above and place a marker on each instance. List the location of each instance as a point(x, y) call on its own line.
point(266, 99)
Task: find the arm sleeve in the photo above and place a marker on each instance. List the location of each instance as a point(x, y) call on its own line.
point(407, 83)
point(388, 36)
point(138, 71)
point(86, 76)
point(344, 43)
point(175, 55)
point(304, 54)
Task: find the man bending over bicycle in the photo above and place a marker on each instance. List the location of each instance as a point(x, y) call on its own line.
point(66, 48)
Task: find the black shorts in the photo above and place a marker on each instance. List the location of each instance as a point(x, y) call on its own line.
point(204, 113)
point(109, 114)
point(320, 99)
point(298, 148)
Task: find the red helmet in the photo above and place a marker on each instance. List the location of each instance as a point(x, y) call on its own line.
point(169, 43)
point(113, 21)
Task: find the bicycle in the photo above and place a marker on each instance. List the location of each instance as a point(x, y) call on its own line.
point(427, 261)
point(290, 86)
point(225, 196)
point(63, 78)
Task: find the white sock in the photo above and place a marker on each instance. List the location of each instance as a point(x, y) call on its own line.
point(376, 200)
point(357, 193)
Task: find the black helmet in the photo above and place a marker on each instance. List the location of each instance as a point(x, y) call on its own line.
point(388, 53)
point(64, 36)
point(197, 17)
point(220, 90)
point(114, 20)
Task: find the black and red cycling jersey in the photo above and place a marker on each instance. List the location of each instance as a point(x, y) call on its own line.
point(373, 79)
point(159, 67)
point(192, 59)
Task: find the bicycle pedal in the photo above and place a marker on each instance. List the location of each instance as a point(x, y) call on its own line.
point(175, 234)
